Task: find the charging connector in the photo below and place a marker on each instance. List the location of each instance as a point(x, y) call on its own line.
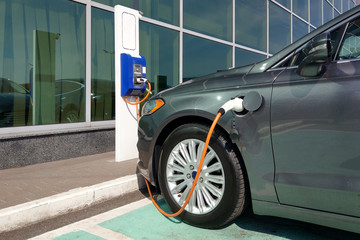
point(235, 104)
point(140, 80)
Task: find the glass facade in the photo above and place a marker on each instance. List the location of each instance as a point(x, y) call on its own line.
point(213, 19)
point(251, 33)
point(279, 28)
point(300, 28)
point(57, 57)
point(244, 57)
point(196, 50)
point(315, 13)
point(160, 47)
point(102, 65)
point(42, 62)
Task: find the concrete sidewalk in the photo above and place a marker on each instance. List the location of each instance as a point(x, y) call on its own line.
point(37, 192)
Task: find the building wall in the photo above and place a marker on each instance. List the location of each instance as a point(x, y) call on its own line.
point(25, 150)
point(57, 61)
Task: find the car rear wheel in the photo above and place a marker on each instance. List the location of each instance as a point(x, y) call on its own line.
point(220, 194)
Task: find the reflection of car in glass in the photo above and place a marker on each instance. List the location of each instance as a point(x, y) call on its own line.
point(102, 99)
point(296, 157)
point(69, 96)
point(15, 104)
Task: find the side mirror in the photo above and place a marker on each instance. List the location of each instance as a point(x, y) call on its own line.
point(317, 52)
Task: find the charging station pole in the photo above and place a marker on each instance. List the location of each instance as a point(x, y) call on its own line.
point(126, 41)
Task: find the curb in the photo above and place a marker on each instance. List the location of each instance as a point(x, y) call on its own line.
point(21, 215)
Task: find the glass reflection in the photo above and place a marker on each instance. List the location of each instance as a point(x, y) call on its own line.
point(42, 62)
point(162, 10)
point(328, 12)
point(300, 7)
point(160, 46)
point(250, 23)
point(345, 5)
point(213, 19)
point(285, 3)
point(279, 28)
point(300, 28)
point(198, 60)
point(244, 57)
point(127, 3)
point(315, 13)
point(102, 66)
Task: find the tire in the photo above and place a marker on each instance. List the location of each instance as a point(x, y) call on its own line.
point(220, 194)
point(70, 116)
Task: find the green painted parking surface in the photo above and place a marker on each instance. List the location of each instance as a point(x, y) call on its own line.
point(148, 223)
point(144, 222)
point(79, 235)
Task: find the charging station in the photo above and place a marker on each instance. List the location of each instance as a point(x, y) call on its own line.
point(130, 77)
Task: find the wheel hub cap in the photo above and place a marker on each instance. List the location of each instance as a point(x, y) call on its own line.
point(181, 172)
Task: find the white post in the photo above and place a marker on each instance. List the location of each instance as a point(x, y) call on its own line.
point(126, 41)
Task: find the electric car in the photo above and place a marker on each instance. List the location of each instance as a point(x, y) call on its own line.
point(292, 152)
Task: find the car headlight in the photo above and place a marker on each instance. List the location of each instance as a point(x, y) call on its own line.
point(151, 106)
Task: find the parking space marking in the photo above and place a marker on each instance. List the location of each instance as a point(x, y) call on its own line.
point(90, 225)
point(142, 221)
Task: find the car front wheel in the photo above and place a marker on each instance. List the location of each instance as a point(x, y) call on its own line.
point(220, 194)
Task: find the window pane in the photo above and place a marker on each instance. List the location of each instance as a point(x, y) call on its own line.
point(102, 65)
point(42, 62)
point(328, 12)
point(345, 5)
point(250, 23)
point(162, 10)
point(285, 3)
point(160, 47)
point(198, 60)
point(337, 4)
point(299, 29)
point(315, 12)
point(243, 57)
point(300, 8)
point(213, 19)
point(279, 28)
point(127, 3)
point(350, 47)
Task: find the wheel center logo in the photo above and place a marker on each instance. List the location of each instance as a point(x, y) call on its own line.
point(193, 174)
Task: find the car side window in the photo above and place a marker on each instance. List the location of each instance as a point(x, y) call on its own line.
point(350, 47)
point(296, 58)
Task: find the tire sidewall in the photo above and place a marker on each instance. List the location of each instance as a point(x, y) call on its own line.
point(221, 146)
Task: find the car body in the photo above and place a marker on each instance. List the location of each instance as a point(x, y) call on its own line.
point(15, 104)
point(295, 157)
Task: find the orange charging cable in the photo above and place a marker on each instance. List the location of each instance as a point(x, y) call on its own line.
point(196, 177)
point(138, 102)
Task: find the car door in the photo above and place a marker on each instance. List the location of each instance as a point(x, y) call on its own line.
point(315, 125)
